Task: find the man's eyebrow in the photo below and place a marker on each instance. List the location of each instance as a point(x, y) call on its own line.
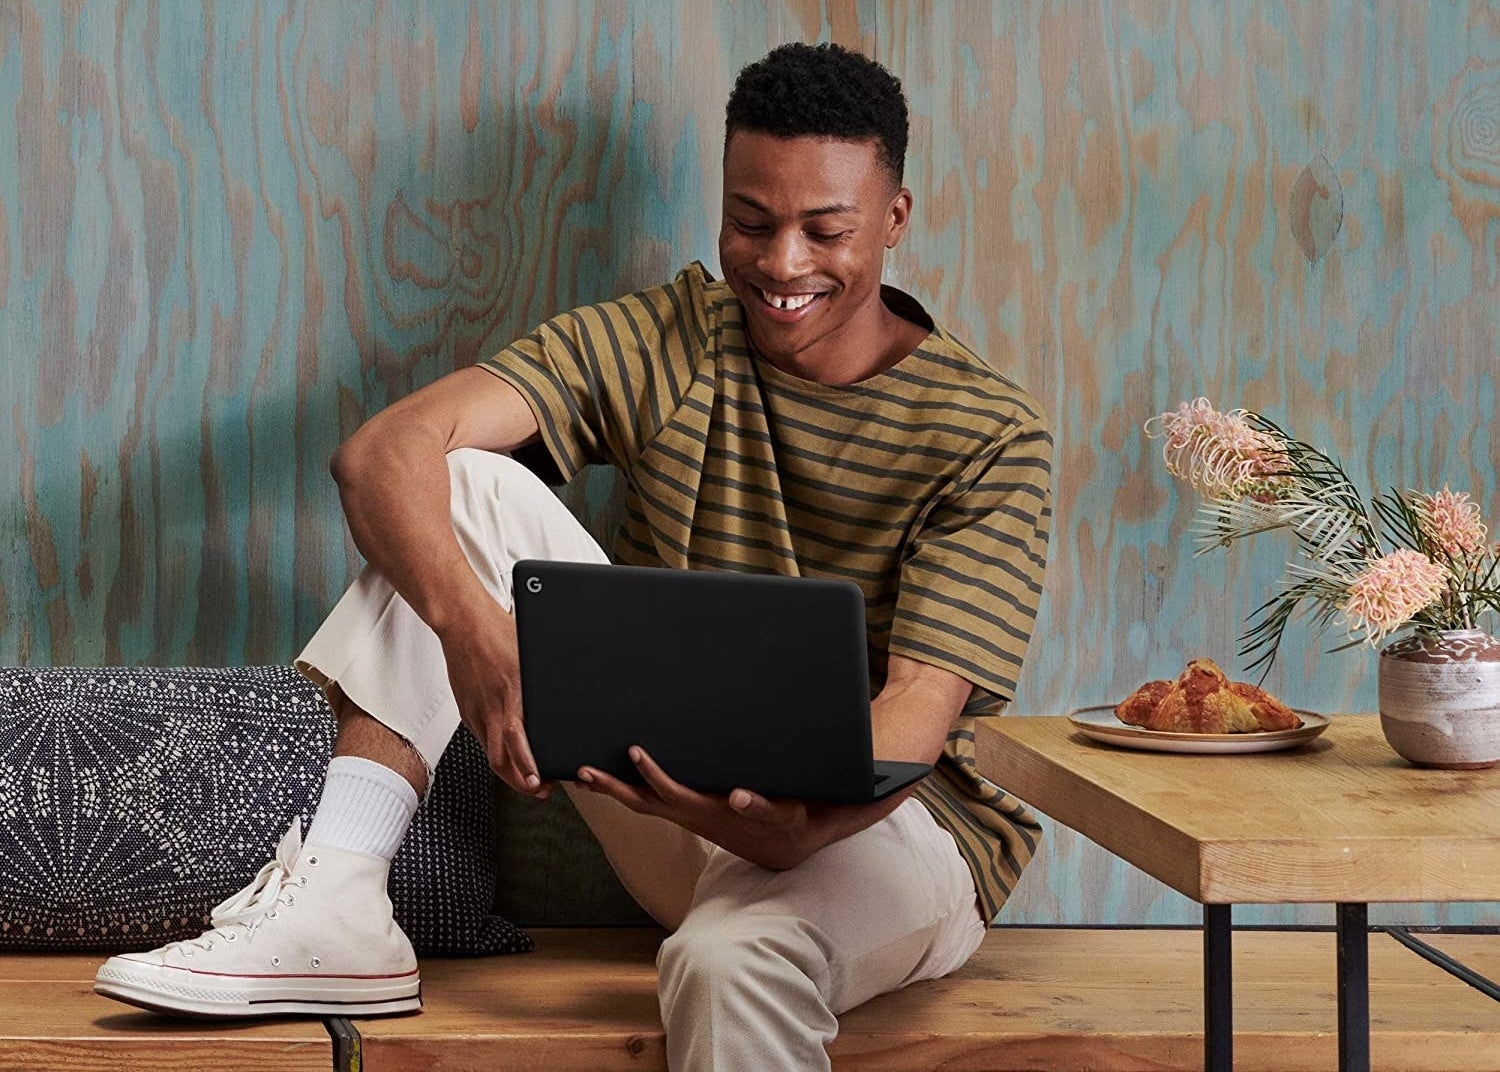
point(822, 210)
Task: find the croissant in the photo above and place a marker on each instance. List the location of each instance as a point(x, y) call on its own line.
point(1204, 700)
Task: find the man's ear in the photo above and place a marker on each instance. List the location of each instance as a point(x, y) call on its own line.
point(897, 217)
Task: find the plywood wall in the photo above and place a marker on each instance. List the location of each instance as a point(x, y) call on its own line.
point(231, 232)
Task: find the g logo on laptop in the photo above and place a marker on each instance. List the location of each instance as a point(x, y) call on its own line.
point(533, 584)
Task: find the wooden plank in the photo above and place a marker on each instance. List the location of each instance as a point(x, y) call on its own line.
point(1051, 999)
point(59, 1023)
point(1030, 999)
point(33, 967)
point(1342, 818)
point(585, 999)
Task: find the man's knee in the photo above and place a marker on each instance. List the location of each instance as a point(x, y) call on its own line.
point(491, 491)
point(746, 993)
point(714, 961)
point(486, 476)
point(502, 511)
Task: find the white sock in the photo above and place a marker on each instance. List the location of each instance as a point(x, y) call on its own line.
point(365, 807)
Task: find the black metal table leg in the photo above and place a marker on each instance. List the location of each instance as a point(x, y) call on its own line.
point(1218, 995)
point(1354, 988)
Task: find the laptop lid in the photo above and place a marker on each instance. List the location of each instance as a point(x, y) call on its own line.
point(728, 680)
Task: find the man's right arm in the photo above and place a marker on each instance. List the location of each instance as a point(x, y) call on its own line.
point(393, 481)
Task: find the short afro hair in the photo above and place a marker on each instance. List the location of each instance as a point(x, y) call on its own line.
point(825, 91)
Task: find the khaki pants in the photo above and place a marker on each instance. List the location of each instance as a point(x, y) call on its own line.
point(759, 962)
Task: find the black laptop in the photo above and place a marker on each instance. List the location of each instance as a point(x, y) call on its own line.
point(728, 680)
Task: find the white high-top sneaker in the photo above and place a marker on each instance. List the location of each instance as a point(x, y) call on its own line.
point(312, 934)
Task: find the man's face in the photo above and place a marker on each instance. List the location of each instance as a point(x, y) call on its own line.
point(805, 228)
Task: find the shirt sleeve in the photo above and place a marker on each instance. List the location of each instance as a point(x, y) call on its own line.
point(971, 586)
point(597, 377)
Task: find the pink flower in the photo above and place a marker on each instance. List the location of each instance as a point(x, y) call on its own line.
point(1219, 453)
point(1452, 523)
point(1390, 590)
point(1179, 426)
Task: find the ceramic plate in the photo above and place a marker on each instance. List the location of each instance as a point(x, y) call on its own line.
point(1101, 724)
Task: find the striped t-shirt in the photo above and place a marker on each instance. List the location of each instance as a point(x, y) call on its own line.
point(926, 484)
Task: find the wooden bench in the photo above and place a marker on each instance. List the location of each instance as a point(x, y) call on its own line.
point(1030, 999)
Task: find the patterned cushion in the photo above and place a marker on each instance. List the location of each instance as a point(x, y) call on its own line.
point(133, 800)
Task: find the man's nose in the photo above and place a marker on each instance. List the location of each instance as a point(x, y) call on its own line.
point(783, 257)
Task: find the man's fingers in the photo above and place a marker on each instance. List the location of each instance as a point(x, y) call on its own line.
point(754, 806)
point(659, 780)
point(519, 751)
point(511, 775)
point(635, 799)
point(504, 762)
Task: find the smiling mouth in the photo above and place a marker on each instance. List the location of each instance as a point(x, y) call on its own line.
point(788, 301)
point(787, 307)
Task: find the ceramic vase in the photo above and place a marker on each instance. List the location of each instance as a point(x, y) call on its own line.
point(1440, 698)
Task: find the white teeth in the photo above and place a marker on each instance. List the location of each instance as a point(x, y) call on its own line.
point(787, 301)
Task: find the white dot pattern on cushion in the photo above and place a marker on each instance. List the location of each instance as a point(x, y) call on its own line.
point(132, 800)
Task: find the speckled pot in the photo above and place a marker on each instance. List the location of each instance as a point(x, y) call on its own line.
point(1440, 698)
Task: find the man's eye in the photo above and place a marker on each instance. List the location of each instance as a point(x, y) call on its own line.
point(828, 236)
point(749, 228)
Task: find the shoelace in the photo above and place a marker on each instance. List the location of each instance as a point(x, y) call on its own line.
point(257, 900)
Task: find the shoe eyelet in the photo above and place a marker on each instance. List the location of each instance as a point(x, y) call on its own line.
point(302, 880)
point(275, 961)
point(291, 899)
point(271, 914)
point(209, 948)
point(231, 937)
point(316, 962)
point(312, 861)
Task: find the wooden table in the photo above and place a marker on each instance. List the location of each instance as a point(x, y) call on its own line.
point(1342, 819)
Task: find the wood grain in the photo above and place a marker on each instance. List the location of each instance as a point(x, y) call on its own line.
point(49, 1023)
point(1029, 999)
point(1478, 952)
point(1339, 819)
point(230, 233)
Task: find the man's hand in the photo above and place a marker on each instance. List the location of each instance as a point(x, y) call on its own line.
point(778, 834)
point(911, 718)
point(484, 668)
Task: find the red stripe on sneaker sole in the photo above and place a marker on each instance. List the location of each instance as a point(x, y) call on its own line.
point(289, 975)
point(332, 1001)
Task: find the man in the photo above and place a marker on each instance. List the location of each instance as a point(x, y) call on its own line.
point(797, 418)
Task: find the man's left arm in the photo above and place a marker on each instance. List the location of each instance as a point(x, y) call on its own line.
point(910, 720)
